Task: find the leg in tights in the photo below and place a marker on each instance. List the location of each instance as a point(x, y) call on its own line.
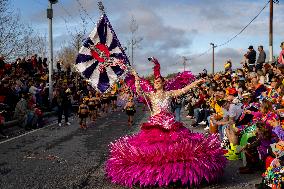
point(59, 114)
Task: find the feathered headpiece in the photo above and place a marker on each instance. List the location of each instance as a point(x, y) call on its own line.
point(178, 82)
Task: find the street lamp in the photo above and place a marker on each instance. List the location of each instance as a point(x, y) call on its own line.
point(184, 62)
point(50, 67)
point(213, 58)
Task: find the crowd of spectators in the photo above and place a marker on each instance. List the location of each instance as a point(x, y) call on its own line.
point(245, 107)
point(24, 92)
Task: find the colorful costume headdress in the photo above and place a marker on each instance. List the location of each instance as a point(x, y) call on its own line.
point(178, 82)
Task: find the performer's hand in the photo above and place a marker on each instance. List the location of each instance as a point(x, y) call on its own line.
point(247, 112)
point(274, 122)
point(135, 73)
point(197, 82)
point(242, 149)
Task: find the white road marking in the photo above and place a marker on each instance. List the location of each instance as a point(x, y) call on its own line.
point(27, 133)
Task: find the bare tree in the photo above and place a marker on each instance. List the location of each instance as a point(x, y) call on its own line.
point(32, 43)
point(68, 56)
point(11, 30)
point(41, 41)
point(135, 41)
point(77, 39)
point(27, 42)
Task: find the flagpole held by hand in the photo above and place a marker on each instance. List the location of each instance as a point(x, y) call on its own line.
point(133, 71)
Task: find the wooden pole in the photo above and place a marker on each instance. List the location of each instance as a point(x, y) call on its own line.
point(271, 32)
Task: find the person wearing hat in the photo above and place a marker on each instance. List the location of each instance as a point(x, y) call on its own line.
point(234, 112)
point(281, 55)
point(228, 66)
point(246, 96)
point(251, 56)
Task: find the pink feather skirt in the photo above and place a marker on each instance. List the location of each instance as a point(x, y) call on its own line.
point(158, 156)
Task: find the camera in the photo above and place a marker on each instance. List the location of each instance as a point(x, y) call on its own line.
point(150, 59)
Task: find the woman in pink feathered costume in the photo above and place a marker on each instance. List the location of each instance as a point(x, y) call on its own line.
point(164, 151)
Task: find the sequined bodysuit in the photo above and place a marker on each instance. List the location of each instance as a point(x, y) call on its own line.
point(160, 102)
point(161, 116)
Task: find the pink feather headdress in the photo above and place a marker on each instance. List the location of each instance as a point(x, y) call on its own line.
point(179, 81)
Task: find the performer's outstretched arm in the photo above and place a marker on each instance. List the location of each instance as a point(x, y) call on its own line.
point(137, 83)
point(185, 89)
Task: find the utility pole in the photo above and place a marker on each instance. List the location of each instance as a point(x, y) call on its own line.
point(213, 58)
point(132, 51)
point(135, 41)
point(184, 62)
point(50, 67)
point(271, 32)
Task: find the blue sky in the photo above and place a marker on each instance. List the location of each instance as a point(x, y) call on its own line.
point(170, 29)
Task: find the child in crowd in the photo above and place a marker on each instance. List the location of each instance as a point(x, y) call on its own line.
point(97, 101)
point(113, 97)
point(83, 114)
point(105, 102)
point(130, 110)
point(91, 105)
point(256, 149)
point(273, 177)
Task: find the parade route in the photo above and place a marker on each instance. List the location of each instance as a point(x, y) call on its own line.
point(59, 157)
point(68, 157)
point(121, 94)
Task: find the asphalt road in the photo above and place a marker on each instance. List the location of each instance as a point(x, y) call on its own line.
point(69, 157)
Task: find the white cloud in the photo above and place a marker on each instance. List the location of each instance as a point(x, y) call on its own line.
point(171, 29)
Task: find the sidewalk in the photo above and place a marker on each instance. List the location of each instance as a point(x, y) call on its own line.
point(12, 128)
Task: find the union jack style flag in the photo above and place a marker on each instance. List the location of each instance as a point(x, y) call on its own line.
point(101, 59)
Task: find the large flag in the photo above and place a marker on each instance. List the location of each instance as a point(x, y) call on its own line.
point(101, 59)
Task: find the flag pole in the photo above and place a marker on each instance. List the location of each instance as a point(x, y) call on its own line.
point(102, 9)
point(131, 68)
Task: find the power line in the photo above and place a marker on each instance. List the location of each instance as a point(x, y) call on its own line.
point(71, 17)
point(235, 36)
point(65, 10)
point(244, 27)
point(86, 12)
point(65, 22)
point(40, 3)
point(202, 54)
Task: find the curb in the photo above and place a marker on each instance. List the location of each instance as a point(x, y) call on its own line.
point(15, 122)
